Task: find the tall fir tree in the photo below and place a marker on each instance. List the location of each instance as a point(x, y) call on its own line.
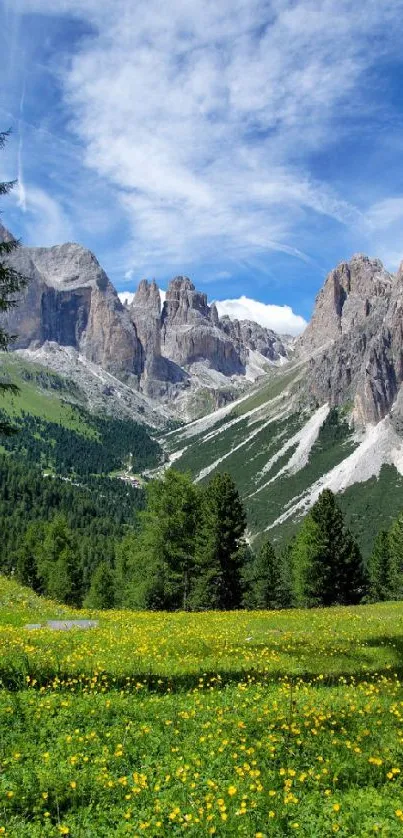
point(29, 556)
point(327, 565)
point(101, 594)
point(59, 566)
point(396, 559)
point(219, 546)
point(264, 580)
point(11, 283)
point(160, 568)
point(378, 569)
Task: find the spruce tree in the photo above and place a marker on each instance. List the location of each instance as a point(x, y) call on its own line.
point(327, 565)
point(264, 580)
point(160, 568)
point(220, 539)
point(101, 593)
point(285, 596)
point(378, 569)
point(11, 282)
point(396, 559)
point(29, 556)
point(59, 566)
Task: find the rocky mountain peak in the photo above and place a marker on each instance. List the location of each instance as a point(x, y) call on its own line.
point(148, 297)
point(346, 300)
point(184, 305)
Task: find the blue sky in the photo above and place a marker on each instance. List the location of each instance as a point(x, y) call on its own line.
point(249, 144)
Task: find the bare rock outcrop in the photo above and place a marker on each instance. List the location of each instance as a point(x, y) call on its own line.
point(354, 342)
point(191, 331)
point(69, 300)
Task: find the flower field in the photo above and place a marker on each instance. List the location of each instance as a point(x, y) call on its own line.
point(251, 724)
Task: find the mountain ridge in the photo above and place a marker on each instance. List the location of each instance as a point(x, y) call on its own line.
point(182, 354)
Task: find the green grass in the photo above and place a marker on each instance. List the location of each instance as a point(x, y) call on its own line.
point(249, 724)
point(43, 394)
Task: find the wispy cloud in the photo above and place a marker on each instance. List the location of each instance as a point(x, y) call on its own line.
point(203, 117)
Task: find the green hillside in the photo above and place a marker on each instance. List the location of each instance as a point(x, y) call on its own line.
point(278, 453)
point(249, 724)
point(56, 430)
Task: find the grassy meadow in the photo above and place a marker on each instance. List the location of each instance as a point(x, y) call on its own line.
point(252, 724)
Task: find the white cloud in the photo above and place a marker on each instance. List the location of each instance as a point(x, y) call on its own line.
point(202, 116)
point(128, 296)
point(281, 319)
point(45, 220)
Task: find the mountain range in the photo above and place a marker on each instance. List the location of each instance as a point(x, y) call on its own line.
point(285, 417)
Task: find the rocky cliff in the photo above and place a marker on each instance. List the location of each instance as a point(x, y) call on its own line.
point(354, 342)
point(69, 301)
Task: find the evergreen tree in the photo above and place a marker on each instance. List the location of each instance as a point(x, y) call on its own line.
point(59, 568)
point(11, 282)
point(327, 565)
point(219, 546)
point(29, 555)
point(396, 559)
point(264, 580)
point(161, 566)
point(285, 597)
point(378, 568)
point(101, 593)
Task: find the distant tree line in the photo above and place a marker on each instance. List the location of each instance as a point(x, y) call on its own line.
point(181, 546)
point(98, 446)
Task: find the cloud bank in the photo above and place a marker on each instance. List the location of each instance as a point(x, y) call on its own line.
point(281, 319)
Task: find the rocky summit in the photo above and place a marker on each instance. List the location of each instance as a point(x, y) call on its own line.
point(181, 353)
point(354, 341)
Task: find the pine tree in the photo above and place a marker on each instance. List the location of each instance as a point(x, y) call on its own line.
point(101, 593)
point(285, 597)
point(29, 555)
point(327, 565)
point(378, 568)
point(11, 282)
point(59, 566)
point(264, 580)
point(160, 568)
point(396, 559)
point(219, 543)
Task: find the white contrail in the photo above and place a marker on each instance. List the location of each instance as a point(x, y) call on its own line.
point(22, 194)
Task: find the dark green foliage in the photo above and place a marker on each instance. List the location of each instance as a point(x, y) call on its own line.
point(327, 566)
point(28, 555)
point(59, 566)
point(11, 283)
point(98, 511)
point(378, 569)
point(372, 506)
point(285, 597)
point(264, 580)
point(160, 562)
point(101, 593)
point(69, 452)
point(219, 542)
point(396, 559)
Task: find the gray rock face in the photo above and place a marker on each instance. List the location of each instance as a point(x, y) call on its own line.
point(191, 331)
point(69, 300)
point(355, 339)
point(249, 335)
